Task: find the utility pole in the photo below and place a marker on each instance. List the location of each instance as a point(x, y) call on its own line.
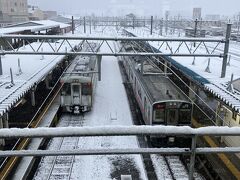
point(226, 50)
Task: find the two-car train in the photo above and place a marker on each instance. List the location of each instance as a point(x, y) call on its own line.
point(161, 102)
point(79, 85)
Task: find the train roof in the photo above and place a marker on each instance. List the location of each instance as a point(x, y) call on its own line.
point(158, 86)
point(82, 67)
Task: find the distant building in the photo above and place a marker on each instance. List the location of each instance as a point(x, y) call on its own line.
point(35, 13)
point(213, 17)
point(12, 11)
point(197, 13)
point(49, 14)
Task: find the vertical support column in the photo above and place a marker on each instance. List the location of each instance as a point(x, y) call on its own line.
point(133, 23)
point(99, 59)
point(151, 28)
point(84, 24)
point(1, 71)
point(5, 120)
point(33, 100)
point(195, 31)
point(2, 141)
point(165, 67)
point(73, 27)
point(193, 155)
point(90, 26)
point(161, 27)
point(226, 50)
point(142, 62)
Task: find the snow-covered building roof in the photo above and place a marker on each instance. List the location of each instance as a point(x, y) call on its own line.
point(32, 26)
point(211, 80)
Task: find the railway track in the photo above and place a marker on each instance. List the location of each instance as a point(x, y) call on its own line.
point(61, 166)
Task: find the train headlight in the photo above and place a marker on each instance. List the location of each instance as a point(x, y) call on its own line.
point(171, 139)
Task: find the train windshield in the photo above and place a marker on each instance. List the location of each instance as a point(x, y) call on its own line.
point(184, 115)
point(172, 116)
point(66, 90)
point(159, 113)
point(159, 116)
point(86, 89)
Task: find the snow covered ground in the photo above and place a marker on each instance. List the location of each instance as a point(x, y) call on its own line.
point(110, 108)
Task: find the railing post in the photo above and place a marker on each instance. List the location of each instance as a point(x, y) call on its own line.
point(192, 159)
point(226, 50)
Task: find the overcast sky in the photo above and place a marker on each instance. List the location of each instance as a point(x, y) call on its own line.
point(147, 7)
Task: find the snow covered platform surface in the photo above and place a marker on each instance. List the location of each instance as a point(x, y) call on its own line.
point(32, 70)
point(110, 108)
point(211, 79)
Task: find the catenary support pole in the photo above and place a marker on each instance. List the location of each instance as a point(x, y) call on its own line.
point(151, 30)
point(84, 24)
point(72, 25)
point(1, 72)
point(99, 59)
point(226, 50)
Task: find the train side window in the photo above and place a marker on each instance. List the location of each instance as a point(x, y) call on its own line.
point(66, 90)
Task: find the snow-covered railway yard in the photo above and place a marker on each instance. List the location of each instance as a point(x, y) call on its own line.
point(110, 108)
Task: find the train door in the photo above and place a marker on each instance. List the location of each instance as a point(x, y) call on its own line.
point(172, 117)
point(76, 94)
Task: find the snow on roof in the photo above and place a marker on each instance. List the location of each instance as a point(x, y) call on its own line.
point(34, 69)
point(32, 26)
point(215, 84)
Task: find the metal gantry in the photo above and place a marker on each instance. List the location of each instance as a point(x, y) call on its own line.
point(11, 44)
point(8, 48)
point(122, 131)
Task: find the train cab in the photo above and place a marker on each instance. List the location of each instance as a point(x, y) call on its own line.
point(76, 94)
point(172, 113)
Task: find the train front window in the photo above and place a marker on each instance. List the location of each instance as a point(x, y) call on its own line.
point(159, 116)
point(86, 89)
point(172, 116)
point(66, 90)
point(184, 115)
